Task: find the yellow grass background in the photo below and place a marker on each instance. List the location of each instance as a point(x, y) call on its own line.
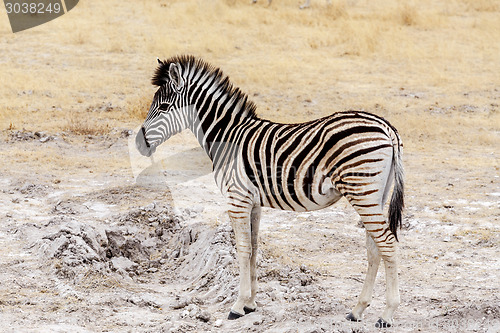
point(431, 67)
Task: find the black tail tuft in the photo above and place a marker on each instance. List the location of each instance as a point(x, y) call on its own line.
point(397, 200)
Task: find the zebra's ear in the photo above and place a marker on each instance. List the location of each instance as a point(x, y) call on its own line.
point(174, 72)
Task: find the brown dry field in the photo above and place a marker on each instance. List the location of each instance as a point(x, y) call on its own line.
point(430, 67)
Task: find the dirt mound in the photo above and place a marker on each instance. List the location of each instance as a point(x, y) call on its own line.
point(147, 250)
point(206, 260)
point(72, 246)
point(125, 246)
point(144, 240)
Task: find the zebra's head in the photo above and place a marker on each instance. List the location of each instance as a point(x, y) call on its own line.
point(166, 115)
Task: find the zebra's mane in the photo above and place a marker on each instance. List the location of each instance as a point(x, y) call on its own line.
point(190, 63)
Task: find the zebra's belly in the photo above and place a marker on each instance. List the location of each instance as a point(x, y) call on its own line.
point(323, 200)
point(301, 203)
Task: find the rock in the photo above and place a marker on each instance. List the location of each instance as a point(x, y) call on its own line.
point(68, 207)
point(46, 138)
point(184, 314)
point(134, 250)
point(149, 242)
point(182, 303)
point(53, 248)
point(204, 316)
point(145, 300)
point(126, 133)
point(218, 323)
point(123, 264)
point(115, 242)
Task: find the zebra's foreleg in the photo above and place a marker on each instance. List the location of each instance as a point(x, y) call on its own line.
point(255, 222)
point(240, 219)
point(371, 273)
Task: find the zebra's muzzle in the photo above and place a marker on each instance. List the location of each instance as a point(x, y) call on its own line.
point(142, 144)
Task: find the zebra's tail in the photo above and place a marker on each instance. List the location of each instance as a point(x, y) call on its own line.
point(397, 200)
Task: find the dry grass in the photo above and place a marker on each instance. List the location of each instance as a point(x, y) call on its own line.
point(416, 63)
point(408, 15)
point(138, 107)
point(84, 125)
point(482, 5)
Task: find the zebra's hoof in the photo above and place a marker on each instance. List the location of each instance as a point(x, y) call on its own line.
point(234, 315)
point(351, 317)
point(382, 324)
point(248, 310)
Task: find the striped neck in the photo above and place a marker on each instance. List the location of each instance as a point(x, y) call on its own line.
point(216, 107)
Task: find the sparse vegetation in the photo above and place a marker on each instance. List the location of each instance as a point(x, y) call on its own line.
point(341, 55)
point(408, 15)
point(83, 124)
point(138, 107)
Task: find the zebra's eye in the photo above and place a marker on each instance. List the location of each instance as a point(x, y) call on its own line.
point(164, 106)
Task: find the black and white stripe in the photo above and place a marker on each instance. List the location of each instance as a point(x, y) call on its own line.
point(298, 167)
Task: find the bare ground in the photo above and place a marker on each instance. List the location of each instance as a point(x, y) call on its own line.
point(87, 249)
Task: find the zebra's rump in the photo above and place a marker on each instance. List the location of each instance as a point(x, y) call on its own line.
point(310, 165)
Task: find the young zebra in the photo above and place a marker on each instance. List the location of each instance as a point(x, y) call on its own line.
point(298, 167)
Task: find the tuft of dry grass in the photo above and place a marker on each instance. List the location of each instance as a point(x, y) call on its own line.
point(336, 10)
point(84, 124)
point(408, 15)
point(138, 107)
point(7, 119)
point(97, 281)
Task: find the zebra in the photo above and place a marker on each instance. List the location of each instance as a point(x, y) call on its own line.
point(297, 167)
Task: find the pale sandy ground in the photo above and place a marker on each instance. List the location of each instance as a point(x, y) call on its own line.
point(85, 248)
point(311, 268)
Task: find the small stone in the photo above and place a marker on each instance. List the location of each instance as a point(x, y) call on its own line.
point(45, 139)
point(218, 323)
point(126, 133)
point(204, 316)
point(150, 207)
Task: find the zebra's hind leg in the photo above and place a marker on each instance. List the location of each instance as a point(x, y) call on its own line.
point(384, 242)
point(392, 289)
point(371, 273)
